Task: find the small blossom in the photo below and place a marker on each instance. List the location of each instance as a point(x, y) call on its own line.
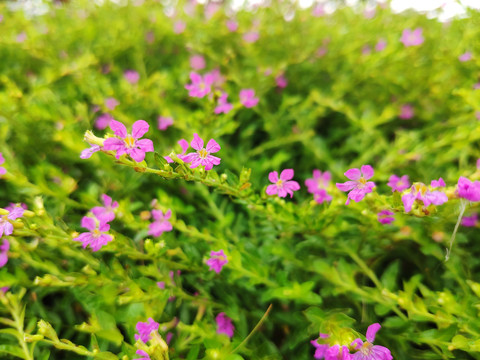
point(103, 121)
point(321, 51)
point(223, 105)
point(465, 56)
point(197, 62)
point(224, 325)
point(161, 223)
point(96, 238)
point(161, 284)
point(111, 103)
point(217, 260)
point(200, 86)
point(164, 122)
point(4, 289)
point(318, 10)
point(131, 76)
point(179, 27)
point(143, 354)
point(321, 196)
point(202, 155)
point(320, 348)
point(380, 45)
point(420, 192)
point(21, 37)
point(470, 221)
point(85, 154)
point(6, 226)
point(145, 329)
point(184, 145)
point(129, 144)
point(368, 351)
point(412, 38)
point(406, 112)
point(106, 212)
point(468, 190)
point(4, 247)
point(281, 81)
point(385, 217)
point(337, 352)
point(3, 171)
point(369, 13)
point(251, 36)
point(398, 183)
point(358, 187)
point(283, 185)
point(12, 206)
point(247, 98)
point(217, 78)
point(437, 183)
point(232, 25)
point(319, 181)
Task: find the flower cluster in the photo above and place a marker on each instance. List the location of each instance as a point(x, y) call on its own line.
point(161, 223)
point(217, 260)
point(145, 329)
point(224, 325)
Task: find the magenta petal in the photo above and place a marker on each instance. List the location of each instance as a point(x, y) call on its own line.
point(372, 331)
point(212, 146)
point(367, 171)
point(88, 223)
point(346, 186)
point(213, 159)
point(146, 145)
point(107, 200)
point(287, 174)
point(196, 78)
point(273, 177)
point(137, 154)
point(113, 144)
point(139, 128)
point(118, 128)
point(183, 144)
point(408, 200)
point(353, 174)
point(197, 142)
point(271, 189)
point(190, 157)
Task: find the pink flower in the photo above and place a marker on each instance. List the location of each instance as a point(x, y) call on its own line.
point(247, 98)
point(202, 155)
point(164, 122)
point(197, 62)
point(283, 186)
point(358, 187)
point(470, 221)
point(217, 77)
point(385, 217)
point(318, 10)
point(406, 112)
point(4, 289)
point(319, 181)
point(179, 27)
point(420, 192)
point(200, 86)
point(412, 38)
point(437, 183)
point(232, 25)
point(21, 37)
point(468, 190)
point(143, 354)
point(223, 105)
point(398, 183)
point(111, 103)
point(217, 260)
point(96, 238)
point(184, 145)
point(145, 329)
point(128, 144)
point(161, 223)
point(105, 213)
point(3, 171)
point(12, 206)
point(368, 351)
point(321, 196)
point(251, 36)
point(381, 45)
point(6, 227)
point(4, 252)
point(131, 76)
point(465, 56)
point(281, 81)
point(103, 121)
point(320, 348)
point(321, 51)
point(224, 325)
point(85, 154)
point(337, 352)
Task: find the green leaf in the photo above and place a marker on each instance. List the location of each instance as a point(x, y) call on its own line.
point(12, 350)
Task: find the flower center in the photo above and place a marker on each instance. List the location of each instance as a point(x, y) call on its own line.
point(96, 233)
point(202, 153)
point(280, 182)
point(422, 188)
point(130, 141)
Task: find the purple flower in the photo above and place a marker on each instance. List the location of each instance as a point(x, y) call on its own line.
point(381, 44)
point(465, 56)
point(247, 98)
point(197, 62)
point(143, 354)
point(368, 351)
point(202, 155)
point(200, 86)
point(4, 252)
point(224, 325)
point(12, 206)
point(4, 289)
point(281, 81)
point(105, 213)
point(85, 154)
point(318, 181)
point(111, 103)
point(184, 145)
point(251, 36)
point(385, 217)
point(103, 121)
point(283, 186)
point(437, 183)
point(3, 171)
point(420, 192)
point(161, 223)
point(406, 112)
point(96, 238)
point(470, 221)
point(321, 196)
point(217, 260)
point(164, 122)
point(145, 329)
point(398, 183)
point(320, 348)
point(131, 76)
point(412, 38)
point(232, 25)
point(358, 187)
point(223, 105)
point(217, 77)
point(468, 190)
point(337, 352)
point(6, 227)
point(129, 144)
point(179, 27)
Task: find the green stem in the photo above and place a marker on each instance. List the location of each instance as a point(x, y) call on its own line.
point(463, 206)
point(264, 317)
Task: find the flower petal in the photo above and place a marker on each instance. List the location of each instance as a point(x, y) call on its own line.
point(139, 128)
point(273, 177)
point(371, 331)
point(287, 174)
point(118, 128)
point(367, 171)
point(353, 174)
point(88, 223)
point(212, 146)
point(271, 189)
point(197, 142)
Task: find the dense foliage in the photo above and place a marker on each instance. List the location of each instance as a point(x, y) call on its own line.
point(335, 91)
